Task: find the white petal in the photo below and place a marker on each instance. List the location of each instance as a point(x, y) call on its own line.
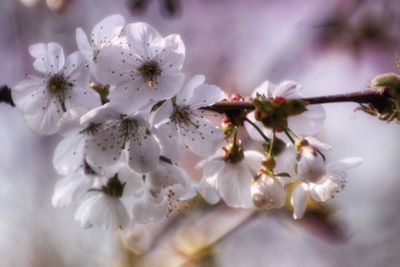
point(149, 208)
point(49, 58)
point(253, 160)
point(130, 97)
point(205, 95)
point(265, 89)
point(208, 192)
point(234, 183)
point(105, 147)
point(115, 66)
point(163, 176)
point(324, 190)
point(70, 123)
point(173, 54)
point(309, 122)
point(268, 192)
point(168, 85)
point(299, 200)
point(45, 120)
point(318, 144)
point(82, 98)
point(162, 114)
point(212, 167)
point(101, 114)
point(70, 189)
point(202, 137)
point(83, 44)
point(144, 151)
point(102, 210)
point(169, 141)
point(186, 93)
point(287, 90)
point(75, 70)
point(344, 164)
point(144, 39)
point(29, 94)
point(286, 162)
point(68, 155)
point(106, 30)
point(310, 165)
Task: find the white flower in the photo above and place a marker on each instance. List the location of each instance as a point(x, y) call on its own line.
point(331, 182)
point(162, 191)
point(149, 71)
point(103, 207)
point(117, 132)
point(182, 122)
point(64, 86)
point(232, 180)
point(307, 123)
point(103, 34)
point(268, 192)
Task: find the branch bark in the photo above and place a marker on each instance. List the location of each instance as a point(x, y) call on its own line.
point(364, 97)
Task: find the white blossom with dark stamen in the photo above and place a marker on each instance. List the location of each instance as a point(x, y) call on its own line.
point(182, 122)
point(104, 33)
point(148, 71)
point(62, 87)
point(118, 132)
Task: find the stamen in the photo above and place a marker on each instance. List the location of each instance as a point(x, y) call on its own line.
point(150, 71)
point(58, 85)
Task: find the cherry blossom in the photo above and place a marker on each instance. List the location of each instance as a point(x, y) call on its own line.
point(118, 132)
point(147, 72)
point(62, 87)
point(181, 121)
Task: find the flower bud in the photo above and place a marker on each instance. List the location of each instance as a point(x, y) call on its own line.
point(267, 192)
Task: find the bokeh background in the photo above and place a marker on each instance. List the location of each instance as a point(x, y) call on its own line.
point(327, 46)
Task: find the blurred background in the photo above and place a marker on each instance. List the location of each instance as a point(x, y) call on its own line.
point(329, 47)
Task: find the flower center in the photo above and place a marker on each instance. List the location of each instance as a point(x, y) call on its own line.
point(150, 70)
point(114, 187)
point(181, 115)
point(58, 85)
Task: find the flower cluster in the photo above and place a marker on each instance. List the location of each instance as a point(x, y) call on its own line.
point(124, 111)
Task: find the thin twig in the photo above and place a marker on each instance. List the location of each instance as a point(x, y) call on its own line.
point(367, 96)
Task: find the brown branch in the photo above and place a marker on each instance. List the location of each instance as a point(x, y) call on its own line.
point(364, 97)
